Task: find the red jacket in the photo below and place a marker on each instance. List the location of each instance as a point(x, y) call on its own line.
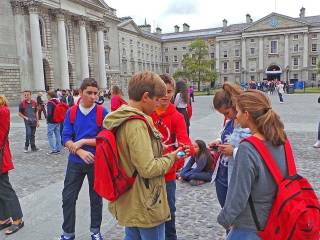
point(116, 102)
point(172, 127)
point(7, 163)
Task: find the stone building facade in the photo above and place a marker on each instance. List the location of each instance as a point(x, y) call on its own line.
point(50, 44)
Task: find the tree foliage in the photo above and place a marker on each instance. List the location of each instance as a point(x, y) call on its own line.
point(197, 65)
point(318, 67)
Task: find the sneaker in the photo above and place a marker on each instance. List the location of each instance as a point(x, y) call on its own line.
point(317, 144)
point(25, 150)
point(62, 237)
point(96, 236)
point(52, 153)
point(35, 149)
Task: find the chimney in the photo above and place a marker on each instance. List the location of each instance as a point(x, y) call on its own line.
point(158, 30)
point(248, 18)
point(176, 28)
point(225, 23)
point(302, 12)
point(186, 27)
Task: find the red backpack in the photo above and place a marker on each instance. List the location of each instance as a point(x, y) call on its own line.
point(59, 112)
point(110, 179)
point(99, 114)
point(295, 213)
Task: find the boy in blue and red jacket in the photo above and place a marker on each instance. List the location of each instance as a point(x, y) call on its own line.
point(79, 136)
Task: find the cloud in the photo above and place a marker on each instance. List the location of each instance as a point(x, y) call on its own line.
point(185, 7)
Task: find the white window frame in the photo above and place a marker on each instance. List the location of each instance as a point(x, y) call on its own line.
point(235, 52)
point(314, 36)
point(294, 37)
point(252, 52)
point(314, 49)
point(295, 64)
point(314, 63)
point(313, 77)
point(225, 66)
point(277, 48)
point(235, 66)
point(296, 47)
point(225, 53)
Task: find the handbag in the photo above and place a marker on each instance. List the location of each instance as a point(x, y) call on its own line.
point(2, 149)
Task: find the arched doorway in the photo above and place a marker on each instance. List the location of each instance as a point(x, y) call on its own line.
point(46, 74)
point(273, 72)
point(71, 83)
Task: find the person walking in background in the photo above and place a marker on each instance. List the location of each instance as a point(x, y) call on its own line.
point(79, 137)
point(69, 98)
point(28, 112)
point(117, 98)
point(170, 123)
point(280, 90)
point(203, 170)
point(317, 144)
point(76, 96)
point(191, 93)
point(53, 127)
point(181, 99)
point(40, 106)
point(10, 209)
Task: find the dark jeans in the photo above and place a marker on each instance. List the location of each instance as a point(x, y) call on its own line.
point(183, 111)
point(188, 173)
point(221, 191)
point(30, 136)
point(9, 202)
point(75, 175)
point(319, 131)
point(280, 97)
point(170, 228)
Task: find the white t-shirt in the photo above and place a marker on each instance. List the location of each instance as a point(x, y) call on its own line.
point(178, 101)
point(86, 111)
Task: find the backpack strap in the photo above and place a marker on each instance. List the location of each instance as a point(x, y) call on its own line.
point(266, 157)
point(292, 170)
point(73, 112)
point(99, 116)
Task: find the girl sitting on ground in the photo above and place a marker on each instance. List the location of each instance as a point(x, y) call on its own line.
point(203, 171)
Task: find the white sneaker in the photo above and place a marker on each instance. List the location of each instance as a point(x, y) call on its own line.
point(317, 144)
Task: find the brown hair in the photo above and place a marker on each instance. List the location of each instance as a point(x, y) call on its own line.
point(52, 94)
point(116, 90)
point(225, 97)
point(146, 82)
point(267, 121)
point(88, 82)
point(3, 101)
point(167, 79)
point(182, 88)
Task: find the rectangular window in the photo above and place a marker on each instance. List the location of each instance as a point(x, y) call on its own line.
point(295, 37)
point(314, 36)
point(252, 40)
point(237, 52)
point(175, 49)
point(252, 51)
point(252, 78)
point(295, 76)
point(175, 58)
point(225, 66)
point(296, 48)
point(237, 66)
point(131, 41)
point(225, 79)
point(167, 69)
point(184, 48)
point(313, 47)
point(295, 62)
point(313, 76)
point(166, 58)
point(225, 54)
point(313, 61)
point(212, 55)
point(166, 50)
point(274, 47)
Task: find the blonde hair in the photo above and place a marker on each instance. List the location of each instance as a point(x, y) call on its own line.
point(3, 101)
point(266, 120)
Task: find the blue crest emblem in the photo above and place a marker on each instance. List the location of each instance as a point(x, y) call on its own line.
point(274, 22)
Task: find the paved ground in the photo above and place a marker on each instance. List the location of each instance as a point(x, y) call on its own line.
point(38, 178)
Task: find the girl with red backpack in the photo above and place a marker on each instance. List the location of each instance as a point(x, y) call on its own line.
point(266, 199)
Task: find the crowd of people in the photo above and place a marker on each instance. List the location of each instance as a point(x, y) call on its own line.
point(156, 152)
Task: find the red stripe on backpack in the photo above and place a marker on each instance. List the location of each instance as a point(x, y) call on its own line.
point(295, 213)
point(110, 178)
point(99, 114)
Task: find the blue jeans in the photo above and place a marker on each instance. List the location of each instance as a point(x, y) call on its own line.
point(137, 233)
point(280, 97)
point(243, 234)
point(171, 233)
point(221, 191)
point(75, 175)
point(30, 136)
point(54, 128)
point(319, 132)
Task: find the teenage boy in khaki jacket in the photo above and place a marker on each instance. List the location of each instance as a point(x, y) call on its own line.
point(143, 210)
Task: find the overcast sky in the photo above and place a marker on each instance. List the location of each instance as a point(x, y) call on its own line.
point(206, 13)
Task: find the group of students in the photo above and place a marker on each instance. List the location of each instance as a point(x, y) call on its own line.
point(148, 150)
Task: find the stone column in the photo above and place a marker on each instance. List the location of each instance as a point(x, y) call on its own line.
point(21, 42)
point(83, 50)
point(261, 49)
point(101, 57)
point(244, 59)
point(38, 78)
point(305, 56)
point(218, 61)
point(286, 56)
point(63, 54)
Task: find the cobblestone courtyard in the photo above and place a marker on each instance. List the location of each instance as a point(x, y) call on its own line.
point(197, 207)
